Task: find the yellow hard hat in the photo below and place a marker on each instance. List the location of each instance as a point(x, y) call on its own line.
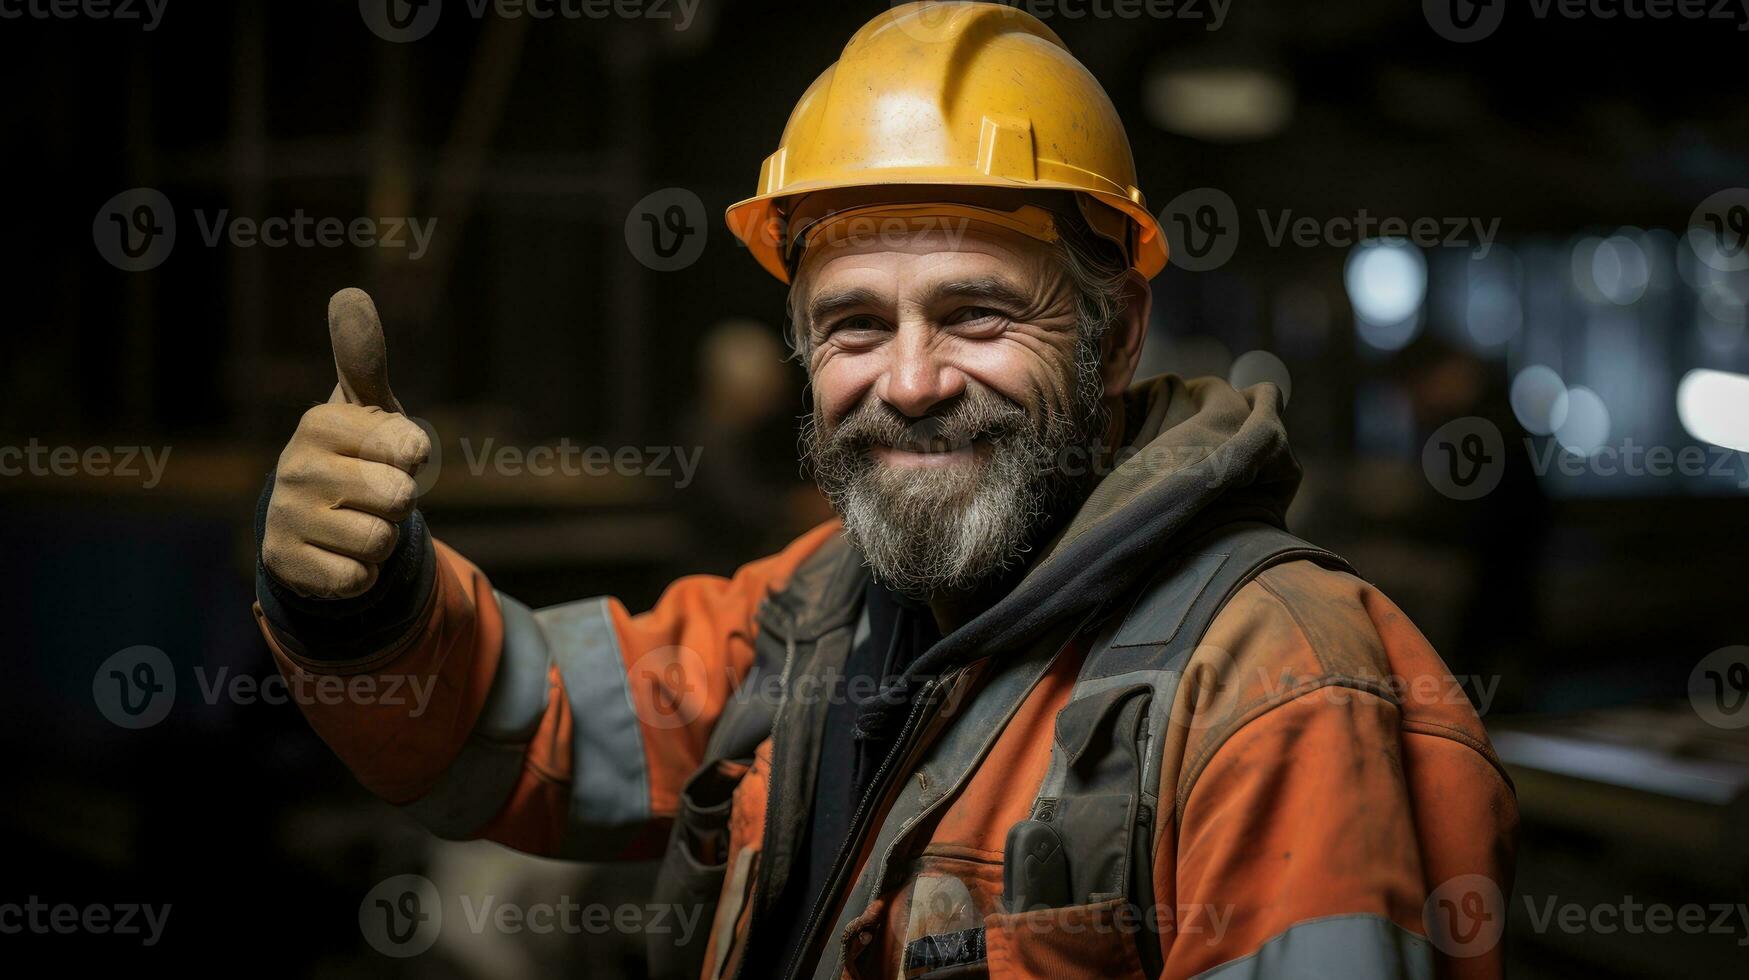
point(953, 95)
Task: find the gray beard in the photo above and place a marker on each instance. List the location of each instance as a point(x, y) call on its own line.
point(927, 532)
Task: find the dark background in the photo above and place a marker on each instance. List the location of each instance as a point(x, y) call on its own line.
point(1578, 608)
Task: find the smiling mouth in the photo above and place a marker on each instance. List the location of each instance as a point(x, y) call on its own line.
point(930, 450)
point(930, 445)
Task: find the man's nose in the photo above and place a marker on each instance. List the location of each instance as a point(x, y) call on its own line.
point(918, 377)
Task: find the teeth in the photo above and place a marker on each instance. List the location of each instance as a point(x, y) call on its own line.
point(913, 443)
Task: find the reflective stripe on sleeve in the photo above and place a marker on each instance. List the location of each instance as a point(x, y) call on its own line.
point(610, 784)
point(1361, 947)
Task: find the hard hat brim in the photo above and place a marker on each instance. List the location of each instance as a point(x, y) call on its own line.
point(758, 221)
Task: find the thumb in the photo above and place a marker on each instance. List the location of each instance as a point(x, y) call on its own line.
point(361, 356)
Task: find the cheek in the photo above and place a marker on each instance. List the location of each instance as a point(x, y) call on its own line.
point(1019, 370)
point(843, 381)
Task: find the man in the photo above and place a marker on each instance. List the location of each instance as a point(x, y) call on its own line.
point(1055, 698)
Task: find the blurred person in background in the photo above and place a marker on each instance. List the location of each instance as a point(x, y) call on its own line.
point(1054, 695)
point(1503, 534)
point(746, 501)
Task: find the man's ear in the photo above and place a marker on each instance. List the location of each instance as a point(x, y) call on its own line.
point(1121, 347)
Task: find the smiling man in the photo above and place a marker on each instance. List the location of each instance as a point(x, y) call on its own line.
point(1055, 696)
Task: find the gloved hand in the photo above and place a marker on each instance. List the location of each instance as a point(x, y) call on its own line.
point(346, 478)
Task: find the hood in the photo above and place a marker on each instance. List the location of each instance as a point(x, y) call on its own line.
point(1188, 447)
point(1196, 453)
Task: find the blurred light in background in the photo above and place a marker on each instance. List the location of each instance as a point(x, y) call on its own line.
point(1258, 366)
point(1539, 399)
point(1721, 316)
point(1492, 311)
point(1228, 104)
point(1714, 407)
point(1618, 270)
point(1586, 427)
point(1659, 246)
point(1387, 285)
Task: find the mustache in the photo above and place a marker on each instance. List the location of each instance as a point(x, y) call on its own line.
point(979, 413)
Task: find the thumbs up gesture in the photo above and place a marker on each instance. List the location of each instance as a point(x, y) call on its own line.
point(346, 478)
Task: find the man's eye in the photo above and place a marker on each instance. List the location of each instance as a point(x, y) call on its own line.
point(855, 327)
point(977, 315)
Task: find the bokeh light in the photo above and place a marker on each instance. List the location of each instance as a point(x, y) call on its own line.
point(1714, 407)
point(1539, 399)
point(1586, 427)
point(1387, 285)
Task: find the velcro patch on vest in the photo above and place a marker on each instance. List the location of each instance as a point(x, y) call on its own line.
point(948, 949)
point(1161, 608)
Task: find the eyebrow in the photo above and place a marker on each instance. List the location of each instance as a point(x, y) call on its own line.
point(988, 288)
point(827, 304)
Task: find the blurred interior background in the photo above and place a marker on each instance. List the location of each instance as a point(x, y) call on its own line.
point(1578, 603)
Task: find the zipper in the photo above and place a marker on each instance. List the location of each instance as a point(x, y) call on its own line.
point(951, 792)
point(859, 822)
point(762, 873)
point(924, 702)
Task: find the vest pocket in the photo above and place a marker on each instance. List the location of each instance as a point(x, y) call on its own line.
point(1093, 940)
point(695, 865)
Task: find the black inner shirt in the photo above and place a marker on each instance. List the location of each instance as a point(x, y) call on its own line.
point(900, 629)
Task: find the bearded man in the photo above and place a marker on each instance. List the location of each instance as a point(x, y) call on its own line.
point(1055, 696)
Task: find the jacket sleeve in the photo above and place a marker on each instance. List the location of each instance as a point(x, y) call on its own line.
point(565, 731)
point(1335, 821)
